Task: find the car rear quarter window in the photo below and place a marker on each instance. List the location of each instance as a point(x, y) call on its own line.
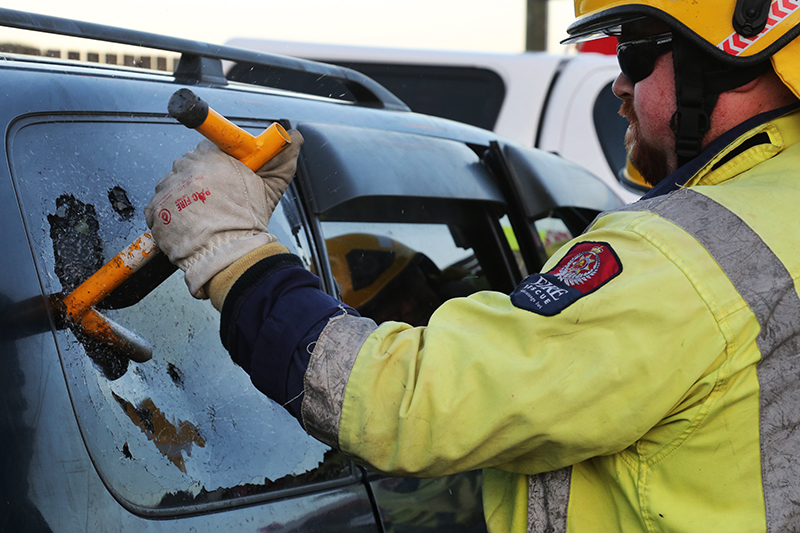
point(186, 429)
point(471, 95)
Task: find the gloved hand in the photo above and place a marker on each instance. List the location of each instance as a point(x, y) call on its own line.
point(211, 209)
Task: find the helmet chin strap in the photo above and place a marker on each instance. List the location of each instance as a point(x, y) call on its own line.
point(699, 80)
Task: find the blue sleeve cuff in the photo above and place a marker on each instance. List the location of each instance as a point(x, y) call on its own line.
point(271, 319)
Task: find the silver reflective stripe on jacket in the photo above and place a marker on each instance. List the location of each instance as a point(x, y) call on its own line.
point(548, 496)
point(764, 283)
point(328, 370)
point(768, 289)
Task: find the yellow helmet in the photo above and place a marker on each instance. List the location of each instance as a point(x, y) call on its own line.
point(364, 264)
point(717, 46)
point(741, 32)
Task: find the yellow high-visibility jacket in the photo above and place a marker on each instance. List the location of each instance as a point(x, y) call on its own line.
point(664, 399)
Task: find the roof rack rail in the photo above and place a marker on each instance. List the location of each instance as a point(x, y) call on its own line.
point(202, 62)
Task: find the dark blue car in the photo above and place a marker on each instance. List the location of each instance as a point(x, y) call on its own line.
point(92, 441)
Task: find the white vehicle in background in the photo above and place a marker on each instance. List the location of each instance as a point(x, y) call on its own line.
point(558, 103)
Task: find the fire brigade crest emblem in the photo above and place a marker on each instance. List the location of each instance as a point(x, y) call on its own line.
point(581, 267)
point(585, 268)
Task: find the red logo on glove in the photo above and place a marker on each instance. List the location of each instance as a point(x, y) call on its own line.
point(186, 200)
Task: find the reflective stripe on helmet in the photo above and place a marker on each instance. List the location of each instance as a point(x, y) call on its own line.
point(779, 11)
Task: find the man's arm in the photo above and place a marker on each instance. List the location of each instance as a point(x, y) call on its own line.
point(487, 384)
point(272, 316)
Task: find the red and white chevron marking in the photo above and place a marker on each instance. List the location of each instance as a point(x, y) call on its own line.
point(735, 44)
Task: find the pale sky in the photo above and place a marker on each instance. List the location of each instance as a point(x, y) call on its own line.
point(475, 25)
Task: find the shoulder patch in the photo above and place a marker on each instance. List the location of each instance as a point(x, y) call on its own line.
point(586, 267)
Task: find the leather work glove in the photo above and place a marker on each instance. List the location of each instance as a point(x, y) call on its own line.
point(211, 209)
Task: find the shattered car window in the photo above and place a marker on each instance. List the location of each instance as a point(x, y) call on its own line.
point(186, 428)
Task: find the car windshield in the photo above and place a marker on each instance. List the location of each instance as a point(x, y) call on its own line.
point(186, 428)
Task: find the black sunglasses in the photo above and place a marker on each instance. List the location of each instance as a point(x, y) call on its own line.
point(638, 58)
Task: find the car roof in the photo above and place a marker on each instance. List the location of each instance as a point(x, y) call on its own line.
point(131, 90)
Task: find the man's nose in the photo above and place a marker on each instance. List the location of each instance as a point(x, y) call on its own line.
point(623, 87)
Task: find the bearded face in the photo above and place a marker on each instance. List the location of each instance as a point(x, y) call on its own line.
point(650, 160)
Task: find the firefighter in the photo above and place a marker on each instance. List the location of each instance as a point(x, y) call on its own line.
point(384, 279)
point(647, 380)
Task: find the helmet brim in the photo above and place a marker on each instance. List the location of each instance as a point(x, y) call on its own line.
point(610, 22)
